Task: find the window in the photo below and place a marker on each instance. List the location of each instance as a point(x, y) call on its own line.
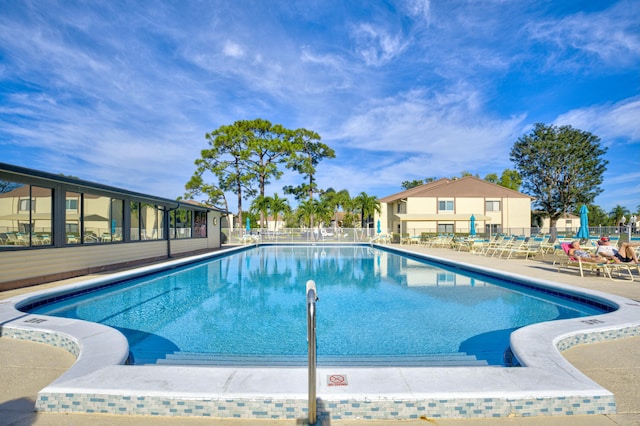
point(26, 205)
point(445, 228)
point(72, 217)
point(26, 218)
point(95, 219)
point(492, 228)
point(181, 223)
point(446, 278)
point(149, 222)
point(445, 206)
point(41, 216)
point(492, 206)
point(200, 224)
point(71, 204)
point(134, 210)
point(117, 216)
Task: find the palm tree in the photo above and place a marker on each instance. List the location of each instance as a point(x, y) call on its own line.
point(617, 213)
point(261, 205)
point(336, 200)
point(324, 212)
point(368, 205)
point(278, 205)
point(306, 211)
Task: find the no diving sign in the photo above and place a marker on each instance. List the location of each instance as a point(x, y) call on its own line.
point(337, 380)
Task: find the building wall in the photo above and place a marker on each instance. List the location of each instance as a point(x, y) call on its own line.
point(571, 222)
point(470, 206)
point(54, 227)
point(24, 267)
point(516, 213)
point(513, 213)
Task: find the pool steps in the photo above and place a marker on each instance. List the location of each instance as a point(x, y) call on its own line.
point(193, 359)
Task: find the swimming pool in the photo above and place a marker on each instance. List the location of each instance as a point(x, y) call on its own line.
point(377, 308)
point(545, 385)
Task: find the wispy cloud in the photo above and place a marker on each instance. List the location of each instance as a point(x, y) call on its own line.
point(410, 89)
point(608, 37)
point(376, 46)
point(614, 123)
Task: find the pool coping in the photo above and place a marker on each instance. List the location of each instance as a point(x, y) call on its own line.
point(547, 385)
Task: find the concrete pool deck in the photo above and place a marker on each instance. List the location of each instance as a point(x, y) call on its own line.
point(615, 365)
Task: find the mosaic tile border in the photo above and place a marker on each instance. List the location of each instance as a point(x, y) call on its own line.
point(597, 337)
point(47, 337)
point(336, 410)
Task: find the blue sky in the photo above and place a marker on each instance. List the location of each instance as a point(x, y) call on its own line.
point(122, 93)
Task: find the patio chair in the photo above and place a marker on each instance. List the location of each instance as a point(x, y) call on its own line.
point(525, 248)
point(17, 239)
point(498, 246)
point(607, 268)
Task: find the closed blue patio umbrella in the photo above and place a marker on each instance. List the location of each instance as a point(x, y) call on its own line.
point(583, 232)
point(379, 230)
point(472, 230)
point(248, 227)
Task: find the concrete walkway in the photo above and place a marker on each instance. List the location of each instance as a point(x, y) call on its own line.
point(27, 367)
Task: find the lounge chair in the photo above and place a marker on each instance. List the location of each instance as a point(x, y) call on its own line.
point(499, 245)
point(607, 268)
point(326, 233)
point(17, 239)
point(525, 248)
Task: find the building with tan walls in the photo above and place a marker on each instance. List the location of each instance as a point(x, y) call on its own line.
point(446, 206)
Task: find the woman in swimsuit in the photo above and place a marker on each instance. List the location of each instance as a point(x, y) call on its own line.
point(576, 251)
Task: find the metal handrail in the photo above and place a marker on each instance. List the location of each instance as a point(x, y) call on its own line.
point(312, 298)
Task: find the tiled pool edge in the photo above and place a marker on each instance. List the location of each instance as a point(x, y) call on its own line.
point(280, 409)
point(592, 401)
point(345, 409)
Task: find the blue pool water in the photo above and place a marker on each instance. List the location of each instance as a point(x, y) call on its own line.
point(375, 306)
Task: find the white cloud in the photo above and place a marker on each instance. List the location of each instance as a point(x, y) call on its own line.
point(233, 49)
point(375, 45)
point(419, 8)
point(611, 36)
point(613, 123)
point(416, 121)
point(403, 89)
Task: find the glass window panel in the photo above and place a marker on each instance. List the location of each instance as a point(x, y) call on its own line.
point(445, 205)
point(200, 225)
point(183, 223)
point(12, 219)
point(71, 204)
point(41, 216)
point(95, 215)
point(445, 227)
point(492, 206)
point(72, 217)
point(172, 224)
point(135, 221)
point(161, 220)
point(25, 205)
point(117, 219)
point(149, 222)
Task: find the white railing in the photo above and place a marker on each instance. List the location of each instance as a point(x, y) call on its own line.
point(300, 235)
point(366, 235)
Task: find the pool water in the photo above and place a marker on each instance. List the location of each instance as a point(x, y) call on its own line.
point(375, 307)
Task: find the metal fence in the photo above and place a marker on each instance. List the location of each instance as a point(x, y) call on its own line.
point(298, 235)
point(359, 235)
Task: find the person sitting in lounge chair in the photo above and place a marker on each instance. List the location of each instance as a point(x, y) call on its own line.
point(625, 253)
point(576, 251)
